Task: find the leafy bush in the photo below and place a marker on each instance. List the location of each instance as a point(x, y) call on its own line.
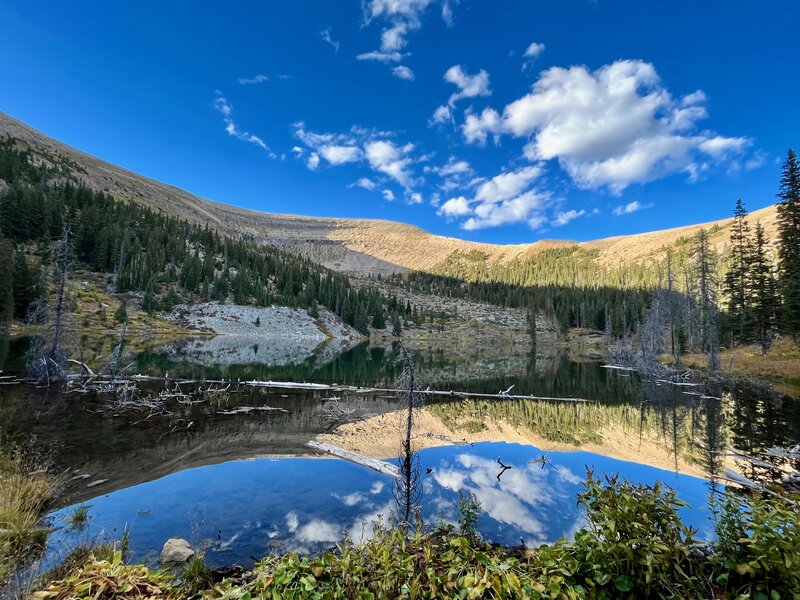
point(635, 537)
point(757, 547)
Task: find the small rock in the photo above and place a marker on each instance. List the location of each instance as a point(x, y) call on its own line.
point(95, 483)
point(176, 550)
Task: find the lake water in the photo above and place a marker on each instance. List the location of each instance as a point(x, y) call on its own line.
point(229, 475)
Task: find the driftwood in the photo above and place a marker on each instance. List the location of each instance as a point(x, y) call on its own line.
point(380, 466)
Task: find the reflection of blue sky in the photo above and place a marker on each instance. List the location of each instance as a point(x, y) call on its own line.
point(247, 509)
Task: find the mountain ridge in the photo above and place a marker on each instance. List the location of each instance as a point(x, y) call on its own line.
point(366, 246)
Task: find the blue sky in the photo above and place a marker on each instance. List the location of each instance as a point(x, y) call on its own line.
point(500, 121)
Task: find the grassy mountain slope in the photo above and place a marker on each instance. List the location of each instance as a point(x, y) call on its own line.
point(358, 245)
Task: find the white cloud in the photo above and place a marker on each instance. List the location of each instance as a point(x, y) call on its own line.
point(562, 218)
point(476, 127)
point(447, 11)
point(327, 37)
point(442, 114)
point(384, 57)
point(226, 110)
point(612, 127)
point(534, 50)
point(455, 207)
point(527, 207)
point(626, 209)
point(506, 199)
point(388, 195)
point(470, 86)
point(402, 17)
point(415, 198)
point(366, 183)
point(383, 155)
point(253, 80)
point(403, 72)
point(507, 185)
point(339, 155)
point(386, 157)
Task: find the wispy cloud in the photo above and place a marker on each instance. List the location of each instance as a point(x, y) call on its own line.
point(564, 217)
point(403, 72)
point(253, 80)
point(327, 36)
point(531, 53)
point(630, 207)
point(226, 110)
point(470, 86)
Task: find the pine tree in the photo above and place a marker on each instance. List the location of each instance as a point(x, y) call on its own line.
point(736, 285)
point(25, 285)
point(149, 301)
point(121, 315)
point(378, 320)
point(764, 290)
point(6, 281)
point(397, 326)
point(789, 245)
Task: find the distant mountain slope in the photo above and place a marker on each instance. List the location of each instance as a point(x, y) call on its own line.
point(358, 245)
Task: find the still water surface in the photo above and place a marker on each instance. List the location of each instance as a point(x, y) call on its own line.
point(244, 485)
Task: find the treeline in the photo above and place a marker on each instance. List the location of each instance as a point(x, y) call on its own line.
point(166, 258)
point(605, 308)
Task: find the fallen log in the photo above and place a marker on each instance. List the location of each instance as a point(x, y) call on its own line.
point(380, 466)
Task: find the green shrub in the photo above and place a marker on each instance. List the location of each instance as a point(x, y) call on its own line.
point(635, 539)
point(757, 547)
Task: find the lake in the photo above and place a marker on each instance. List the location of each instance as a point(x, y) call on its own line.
point(227, 467)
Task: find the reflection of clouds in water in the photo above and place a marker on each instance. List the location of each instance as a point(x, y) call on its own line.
point(376, 488)
point(349, 499)
point(292, 521)
point(317, 530)
point(567, 476)
point(515, 499)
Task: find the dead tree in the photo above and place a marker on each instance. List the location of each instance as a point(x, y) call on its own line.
point(407, 490)
point(47, 361)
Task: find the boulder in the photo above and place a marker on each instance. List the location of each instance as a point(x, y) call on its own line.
point(3, 188)
point(176, 550)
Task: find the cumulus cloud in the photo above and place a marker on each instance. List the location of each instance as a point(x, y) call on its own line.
point(455, 207)
point(388, 158)
point(442, 114)
point(626, 209)
point(339, 155)
point(470, 86)
point(506, 199)
point(327, 37)
point(564, 217)
point(383, 155)
point(388, 195)
point(226, 110)
point(612, 127)
point(403, 72)
point(253, 80)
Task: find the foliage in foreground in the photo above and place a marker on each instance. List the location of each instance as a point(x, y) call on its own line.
point(24, 492)
point(634, 546)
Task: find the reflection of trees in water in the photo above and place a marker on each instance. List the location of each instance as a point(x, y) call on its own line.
point(692, 428)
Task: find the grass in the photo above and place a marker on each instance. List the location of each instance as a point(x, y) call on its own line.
point(24, 494)
point(780, 365)
point(79, 517)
